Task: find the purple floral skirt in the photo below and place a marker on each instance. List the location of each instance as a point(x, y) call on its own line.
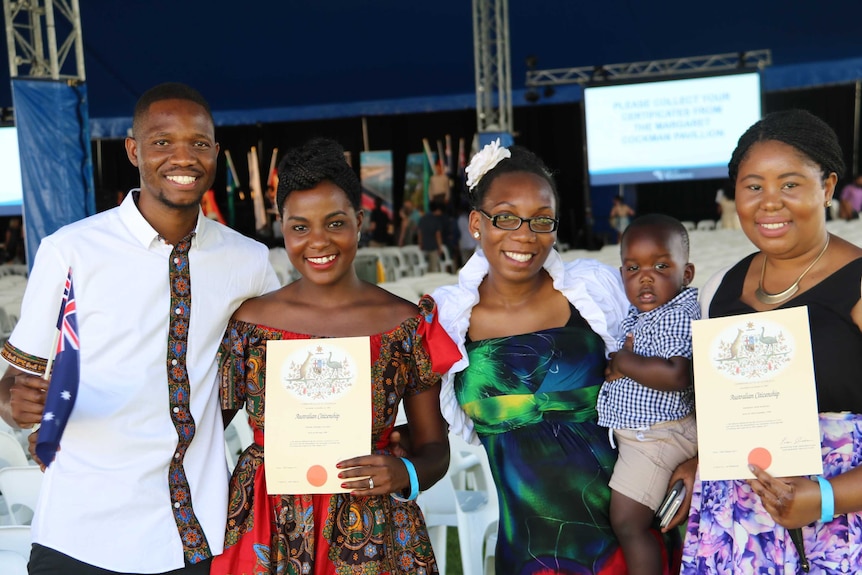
point(730, 532)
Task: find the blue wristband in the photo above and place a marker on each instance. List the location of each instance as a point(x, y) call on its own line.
point(827, 500)
point(414, 481)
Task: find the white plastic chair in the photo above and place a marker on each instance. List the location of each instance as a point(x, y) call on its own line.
point(447, 264)
point(12, 563)
point(706, 225)
point(12, 453)
point(439, 503)
point(438, 507)
point(397, 261)
point(280, 263)
point(477, 509)
point(416, 258)
point(16, 539)
point(23, 437)
point(237, 436)
point(20, 487)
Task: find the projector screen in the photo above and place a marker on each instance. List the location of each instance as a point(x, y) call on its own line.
point(667, 131)
point(11, 193)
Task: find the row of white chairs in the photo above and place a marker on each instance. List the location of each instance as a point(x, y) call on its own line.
point(13, 280)
point(702, 225)
point(374, 264)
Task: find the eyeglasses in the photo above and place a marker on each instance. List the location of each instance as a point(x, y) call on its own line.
point(511, 222)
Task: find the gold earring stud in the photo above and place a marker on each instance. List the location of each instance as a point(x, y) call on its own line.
point(828, 203)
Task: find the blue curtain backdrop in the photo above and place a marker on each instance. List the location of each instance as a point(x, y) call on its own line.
point(56, 165)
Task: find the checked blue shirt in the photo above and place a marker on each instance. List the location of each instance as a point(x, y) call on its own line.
point(662, 332)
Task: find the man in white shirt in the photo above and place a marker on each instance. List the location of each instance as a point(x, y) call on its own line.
point(140, 482)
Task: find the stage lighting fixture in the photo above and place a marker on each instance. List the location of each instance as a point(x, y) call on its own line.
point(531, 96)
point(548, 91)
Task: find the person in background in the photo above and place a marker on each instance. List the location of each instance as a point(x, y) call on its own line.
point(140, 482)
point(620, 216)
point(430, 234)
point(379, 228)
point(377, 526)
point(647, 399)
point(409, 224)
point(785, 169)
point(850, 202)
point(14, 243)
point(534, 333)
point(726, 207)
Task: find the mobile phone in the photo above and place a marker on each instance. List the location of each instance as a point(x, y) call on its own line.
point(671, 503)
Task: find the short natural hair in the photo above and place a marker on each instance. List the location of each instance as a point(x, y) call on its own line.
point(801, 129)
point(662, 222)
point(319, 159)
point(167, 91)
point(521, 160)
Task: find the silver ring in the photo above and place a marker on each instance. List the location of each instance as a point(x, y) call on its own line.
point(370, 483)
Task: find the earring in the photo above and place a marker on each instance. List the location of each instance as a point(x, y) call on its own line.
point(358, 236)
point(476, 235)
point(828, 203)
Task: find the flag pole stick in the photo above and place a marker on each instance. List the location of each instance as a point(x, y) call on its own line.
point(50, 363)
point(273, 160)
point(52, 353)
point(231, 166)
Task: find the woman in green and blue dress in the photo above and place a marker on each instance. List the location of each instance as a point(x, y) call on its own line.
point(534, 334)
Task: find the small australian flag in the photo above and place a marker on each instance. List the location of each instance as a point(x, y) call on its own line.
point(65, 375)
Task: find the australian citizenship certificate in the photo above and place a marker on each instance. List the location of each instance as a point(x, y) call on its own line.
point(317, 411)
point(755, 396)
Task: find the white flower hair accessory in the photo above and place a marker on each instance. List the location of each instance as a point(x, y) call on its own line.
point(484, 161)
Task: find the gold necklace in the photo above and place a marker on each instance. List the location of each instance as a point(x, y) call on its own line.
point(781, 297)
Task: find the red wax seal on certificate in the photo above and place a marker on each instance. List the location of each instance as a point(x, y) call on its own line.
point(316, 475)
point(760, 457)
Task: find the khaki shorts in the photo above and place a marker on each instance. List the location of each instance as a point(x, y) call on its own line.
point(648, 457)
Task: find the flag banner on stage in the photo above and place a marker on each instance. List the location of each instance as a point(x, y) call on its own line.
point(65, 376)
point(210, 207)
point(414, 180)
point(375, 172)
point(260, 219)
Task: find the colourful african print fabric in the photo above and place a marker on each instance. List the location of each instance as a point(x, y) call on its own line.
point(532, 400)
point(195, 546)
point(326, 534)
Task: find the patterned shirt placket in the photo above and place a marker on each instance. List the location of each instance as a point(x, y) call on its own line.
point(195, 546)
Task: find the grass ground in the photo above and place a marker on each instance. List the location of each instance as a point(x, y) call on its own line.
point(453, 552)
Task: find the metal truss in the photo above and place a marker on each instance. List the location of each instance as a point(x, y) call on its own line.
point(30, 25)
point(639, 70)
point(493, 67)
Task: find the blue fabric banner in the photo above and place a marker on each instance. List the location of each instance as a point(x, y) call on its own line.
point(56, 165)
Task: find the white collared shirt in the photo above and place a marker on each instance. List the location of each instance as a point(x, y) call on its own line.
point(105, 498)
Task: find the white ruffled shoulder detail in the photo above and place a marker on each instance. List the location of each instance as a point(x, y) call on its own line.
point(594, 288)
